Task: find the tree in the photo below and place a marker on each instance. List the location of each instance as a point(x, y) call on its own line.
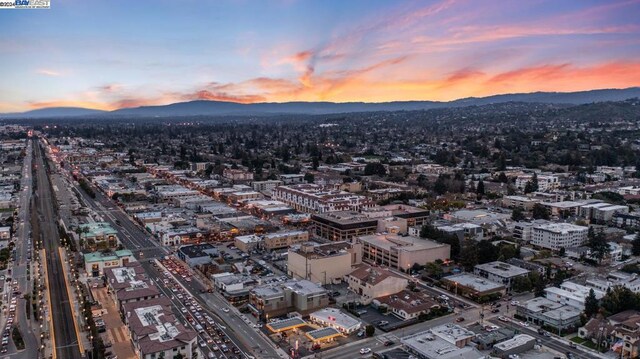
point(469, 254)
point(433, 270)
point(507, 251)
point(635, 249)
point(309, 177)
point(532, 184)
point(598, 244)
point(591, 304)
point(539, 212)
point(375, 168)
point(480, 189)
point(517, 215)
point(521, 284)
point(369, 330)
point(316, 163)
point(487, 252)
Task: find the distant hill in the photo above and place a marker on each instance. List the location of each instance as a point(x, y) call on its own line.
point(214, 108)
point(55, 112)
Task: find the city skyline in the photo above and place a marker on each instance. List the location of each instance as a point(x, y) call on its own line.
point(99, 55)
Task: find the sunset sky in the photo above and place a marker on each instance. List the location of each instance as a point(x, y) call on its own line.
point(111, 54)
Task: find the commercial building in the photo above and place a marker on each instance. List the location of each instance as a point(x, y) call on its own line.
point(98, 236)
point(156, 332)
point(271, 241)
point(408, 305)
point(572, 294)
point(197, 254)
point(337, 319)
point(96, 262)
point(516, 345)
point(500, 272)
point(130, 284)
point(473, 286)
point(401, 252)
point(323, 263)
point(273, 300)
point(311, 198)
point(373, 282)
point(463, 230)
point(544, 312)
point(558, 235)
point(343, 225)
point(446, 341)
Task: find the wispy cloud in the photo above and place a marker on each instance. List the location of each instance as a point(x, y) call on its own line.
point(48, 72)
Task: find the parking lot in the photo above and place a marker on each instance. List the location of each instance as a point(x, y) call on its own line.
point(371, 315)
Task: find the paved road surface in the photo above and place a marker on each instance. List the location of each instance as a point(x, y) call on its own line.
point(66, 340)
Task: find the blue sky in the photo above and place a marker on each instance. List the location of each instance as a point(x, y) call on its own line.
point(113, 54)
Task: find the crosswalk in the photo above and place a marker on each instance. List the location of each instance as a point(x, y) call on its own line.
point(119, 334)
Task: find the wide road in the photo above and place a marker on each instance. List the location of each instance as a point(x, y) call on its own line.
point(66, 340)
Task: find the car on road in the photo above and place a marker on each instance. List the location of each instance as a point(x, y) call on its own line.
point(495, 310)
point(226, 310)
point(515, 302)
point(503, 319)
point(459, 319)
point(365, 350)
point(389, 343)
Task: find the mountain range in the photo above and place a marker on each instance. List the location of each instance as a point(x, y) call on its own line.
point(217, 108)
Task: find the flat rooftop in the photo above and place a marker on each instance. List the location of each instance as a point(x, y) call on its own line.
point(502, 269)
point(431, 346)
point(408, 243)
point(336, 317)
point(286, 324)
point(475, 282)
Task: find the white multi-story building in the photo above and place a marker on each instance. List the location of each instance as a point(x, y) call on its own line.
point(545, 182)
point(571, 294)
point(500, 272)
point(311, 198)
point(558, 235)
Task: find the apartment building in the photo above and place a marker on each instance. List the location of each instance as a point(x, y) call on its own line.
point(266, 186)
point(311, 198)
point(401, 252)
point(602, 212)
point(545, 182)
point(323, 263)
point(521, 202)
point(558, 235)
point(237, 174)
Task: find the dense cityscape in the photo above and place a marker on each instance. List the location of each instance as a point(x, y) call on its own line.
point(419, 179)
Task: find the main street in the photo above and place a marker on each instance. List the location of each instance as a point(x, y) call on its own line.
point(145, 248)
point(66, 339)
